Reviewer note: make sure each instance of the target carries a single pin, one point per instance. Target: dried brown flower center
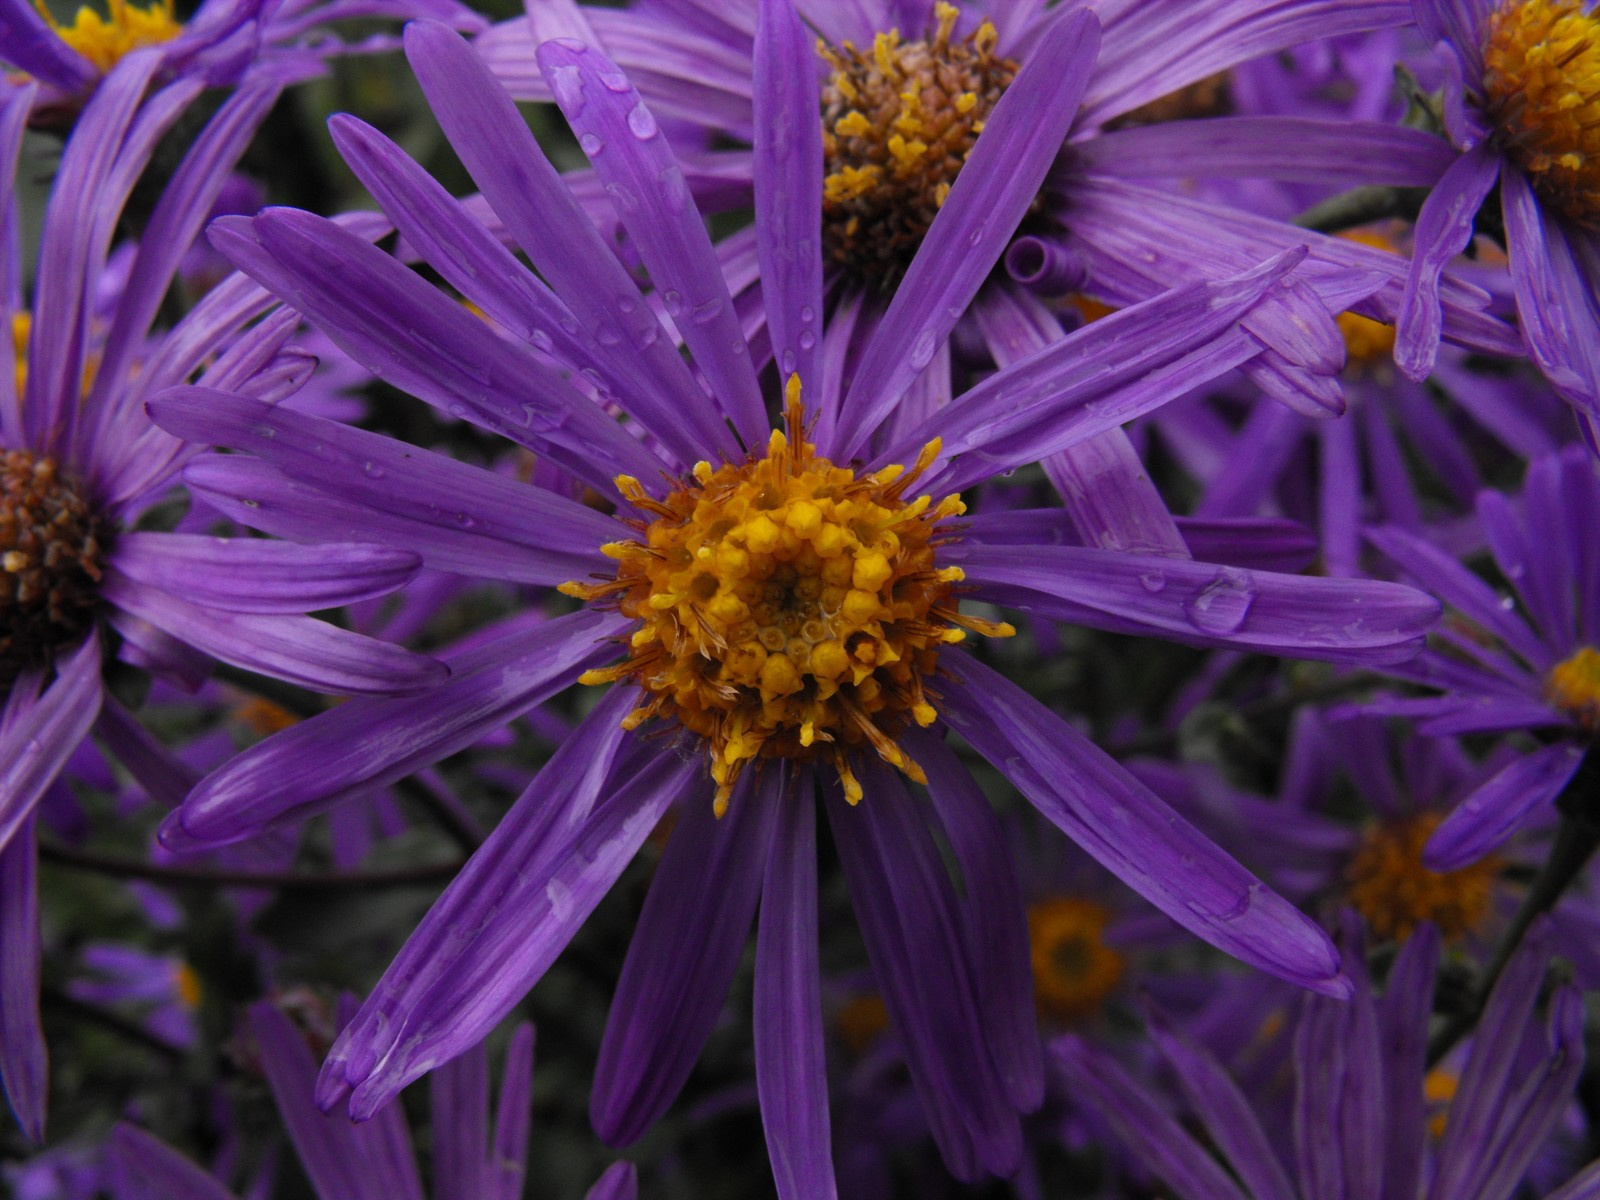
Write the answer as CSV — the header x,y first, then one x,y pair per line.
x,y
897,125
1542,82
52,546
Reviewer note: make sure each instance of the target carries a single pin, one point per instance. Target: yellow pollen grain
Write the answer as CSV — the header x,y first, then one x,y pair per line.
x,y
1073,968
104,41
1542,91
788,608
1573,686
1391,889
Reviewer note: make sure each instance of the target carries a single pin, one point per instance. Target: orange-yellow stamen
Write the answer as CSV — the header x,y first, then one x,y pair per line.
x,y
1388,885
898,123
126,28
787,607
1573,686
1542,86
1073,968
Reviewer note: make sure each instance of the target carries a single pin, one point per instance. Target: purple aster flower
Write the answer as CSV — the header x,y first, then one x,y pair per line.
x,y
166,989
1504,671
1360,1119
783,612
1522,103
81,465
476,1155
219,43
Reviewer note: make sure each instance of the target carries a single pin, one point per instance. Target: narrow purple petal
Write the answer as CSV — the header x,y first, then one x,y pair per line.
x,y
1132,833
1297,149
994,914
37,738
681,959
1403,1024
645,182
458,1098
298,649
1342,620
788,184
16,104
388,319
998,182
344,1160
1443,230
24,1061
791,1066
252,575
1485,819
143,1168
38,50
906,907
500,153
369,743
512,1119
453,514
481,269
619,1182
520,929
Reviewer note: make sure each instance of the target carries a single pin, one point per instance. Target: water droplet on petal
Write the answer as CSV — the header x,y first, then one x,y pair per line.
x,y
1221,606
922,349
673,302
641,122
591,144
807,339
1152,581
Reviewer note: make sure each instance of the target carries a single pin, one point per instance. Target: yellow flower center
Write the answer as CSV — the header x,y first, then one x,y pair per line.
x,y
1073,968
1367,343
1388,885
1573,686
897,125
188,985
1542,81
1439,1088
788,608
126,28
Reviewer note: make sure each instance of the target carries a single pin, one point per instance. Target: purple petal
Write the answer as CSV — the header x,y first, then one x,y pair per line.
x,y
906,907
1132,833
1491,814
1443,230
619,1182
788,184
344,1160
1342,620
165,777
499,151
993,911
36,49
388,319
298,649
369,743
143,1168
458,1098
791,1068
1403,1023
1555,293
24,1060
252,575
39,734
523,909
481,269
618,132
512,1119
682,958
998,182
1097,378
453,514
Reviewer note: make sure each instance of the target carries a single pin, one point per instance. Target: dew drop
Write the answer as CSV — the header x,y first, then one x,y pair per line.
x,y
807,338
591,144
1222,605
922,349
673,302
705,313
1153,581
617,82
642,122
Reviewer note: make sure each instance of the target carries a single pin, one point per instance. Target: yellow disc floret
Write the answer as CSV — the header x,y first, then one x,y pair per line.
x,y
898,122
1073,968
1388,885
787,607
125,28
1573,686
1542,87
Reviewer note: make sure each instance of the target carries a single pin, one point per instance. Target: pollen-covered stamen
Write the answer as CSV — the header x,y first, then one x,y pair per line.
x,y
898,122
51,548
1573,686
1391,889
1542,88
1073,968
104,41
788,607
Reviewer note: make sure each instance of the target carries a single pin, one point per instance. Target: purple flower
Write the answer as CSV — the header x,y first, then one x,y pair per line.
x,y
1522,103
1538,670
1360,1122
782,608
80,466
